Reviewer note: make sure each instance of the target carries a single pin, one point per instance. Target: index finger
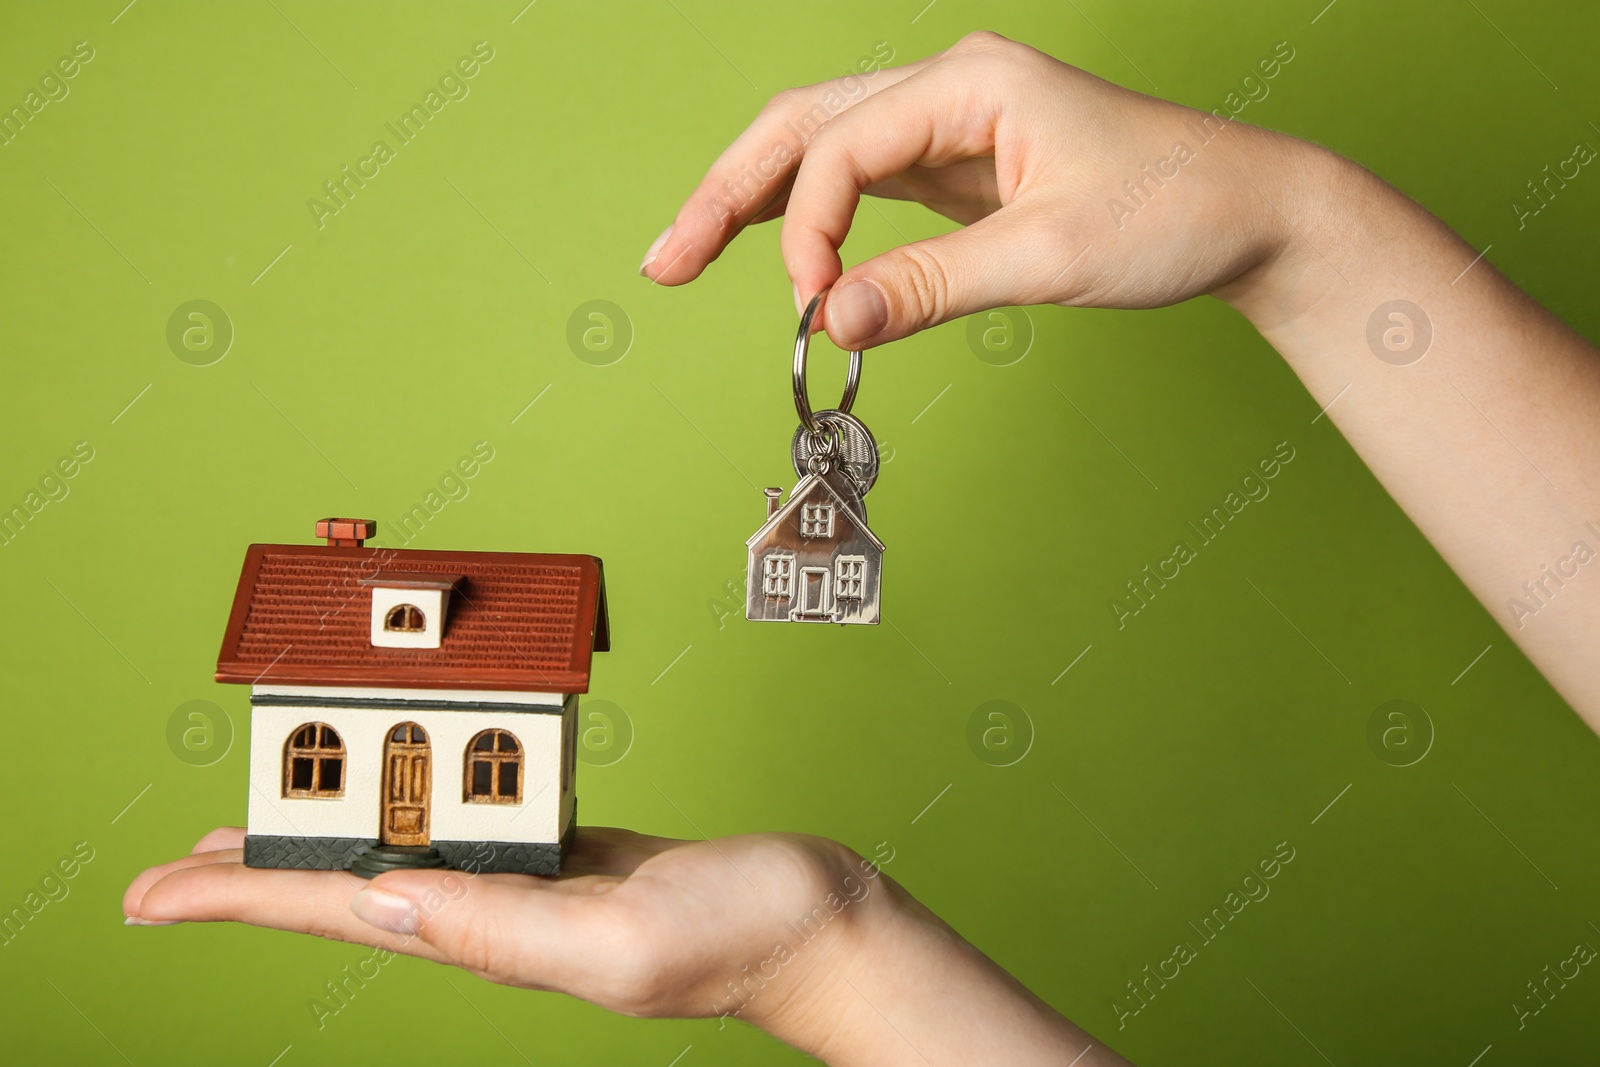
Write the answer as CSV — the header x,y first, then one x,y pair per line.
x,y
940,116
755,171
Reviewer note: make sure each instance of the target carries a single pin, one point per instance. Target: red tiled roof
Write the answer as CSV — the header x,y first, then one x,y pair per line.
x,y
517,621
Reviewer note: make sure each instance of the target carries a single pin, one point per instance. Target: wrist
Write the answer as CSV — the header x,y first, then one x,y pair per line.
x,y
897,986
1347,241
1306,204
836,952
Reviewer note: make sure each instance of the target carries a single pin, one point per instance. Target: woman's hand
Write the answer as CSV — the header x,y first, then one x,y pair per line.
x,y
639,925
1072,190
797,935
1477,409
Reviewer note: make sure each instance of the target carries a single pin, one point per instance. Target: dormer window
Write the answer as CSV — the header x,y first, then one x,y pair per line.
x,y
816,520
409,609
405,619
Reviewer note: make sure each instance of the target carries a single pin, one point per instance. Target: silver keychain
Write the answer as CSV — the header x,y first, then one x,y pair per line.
x,y
814,559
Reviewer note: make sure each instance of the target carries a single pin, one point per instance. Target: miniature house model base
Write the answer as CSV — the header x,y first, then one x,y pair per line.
x,y
411,708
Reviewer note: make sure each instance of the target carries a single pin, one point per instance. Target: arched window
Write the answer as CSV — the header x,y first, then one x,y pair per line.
x,y
405,619
494,769
313,762
409,733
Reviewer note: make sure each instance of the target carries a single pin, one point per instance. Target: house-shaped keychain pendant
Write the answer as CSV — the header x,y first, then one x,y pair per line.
x,y
411,708
814,559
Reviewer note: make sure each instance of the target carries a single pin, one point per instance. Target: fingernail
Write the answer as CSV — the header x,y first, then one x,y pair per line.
x,y
799,308
655,247
386,911
134,920
859,311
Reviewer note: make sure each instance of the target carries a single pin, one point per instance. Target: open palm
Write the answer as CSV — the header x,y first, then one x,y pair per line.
x,y
637,924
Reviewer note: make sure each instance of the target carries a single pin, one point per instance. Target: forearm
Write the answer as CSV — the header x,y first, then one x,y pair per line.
x,y
906,989
1490,441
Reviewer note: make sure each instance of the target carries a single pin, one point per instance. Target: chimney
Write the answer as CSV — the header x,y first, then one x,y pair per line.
x,y
346,533
773,493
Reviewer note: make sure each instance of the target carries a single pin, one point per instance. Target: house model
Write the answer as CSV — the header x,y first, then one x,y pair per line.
x,y
411,708
814,560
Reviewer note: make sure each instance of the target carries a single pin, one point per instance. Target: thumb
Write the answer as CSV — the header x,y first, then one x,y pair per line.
x,y
502,928
995,262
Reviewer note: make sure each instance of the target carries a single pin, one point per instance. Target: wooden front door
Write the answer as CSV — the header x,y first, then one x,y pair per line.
x,y
407,784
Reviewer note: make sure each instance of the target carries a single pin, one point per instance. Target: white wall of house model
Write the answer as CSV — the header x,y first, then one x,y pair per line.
x,y
540,817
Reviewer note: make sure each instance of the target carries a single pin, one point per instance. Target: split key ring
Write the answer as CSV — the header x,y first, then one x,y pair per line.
x,y
802,345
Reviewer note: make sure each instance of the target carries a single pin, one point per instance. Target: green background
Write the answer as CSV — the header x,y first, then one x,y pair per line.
x,y
428,314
